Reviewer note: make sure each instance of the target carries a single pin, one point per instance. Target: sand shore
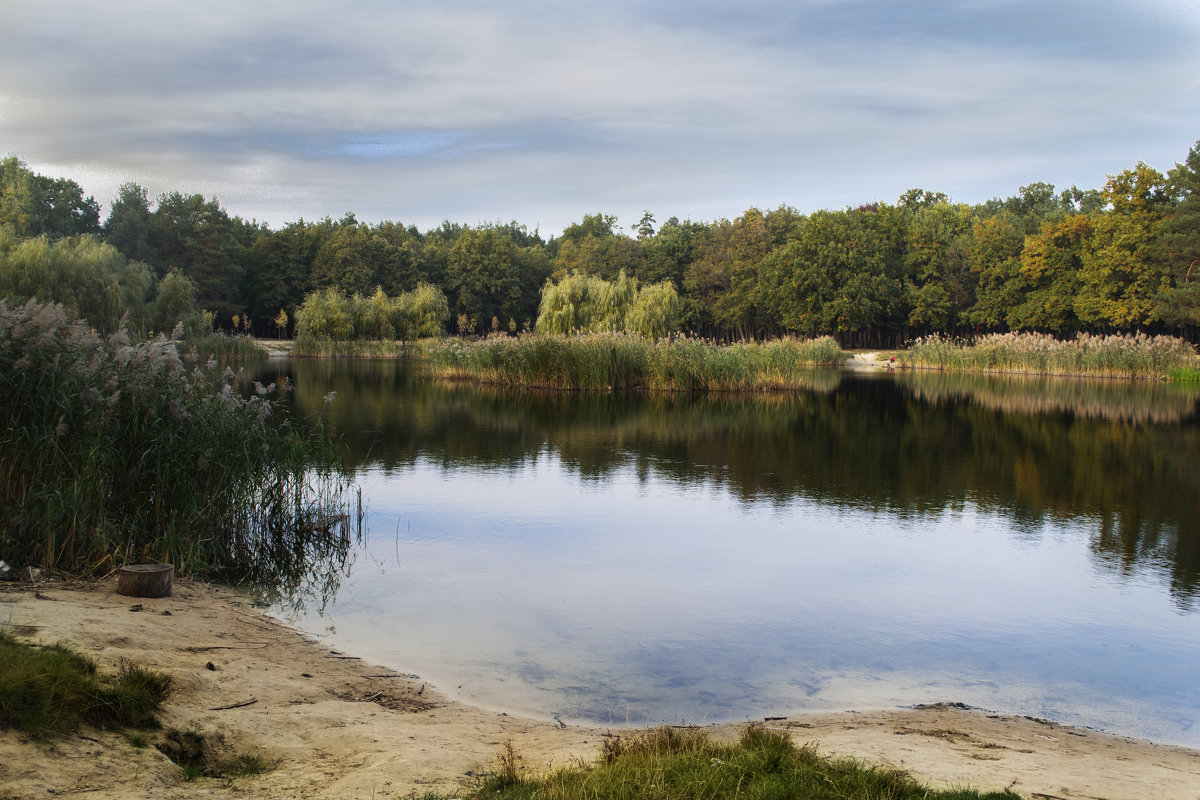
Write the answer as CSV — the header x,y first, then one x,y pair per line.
x,y
340,727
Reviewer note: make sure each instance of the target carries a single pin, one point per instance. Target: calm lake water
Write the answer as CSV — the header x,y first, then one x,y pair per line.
x,y
1027,546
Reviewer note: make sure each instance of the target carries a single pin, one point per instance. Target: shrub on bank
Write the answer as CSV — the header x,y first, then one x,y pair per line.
x,y
113,451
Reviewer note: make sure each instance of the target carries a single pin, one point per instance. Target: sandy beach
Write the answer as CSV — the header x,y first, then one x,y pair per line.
x,y
339,727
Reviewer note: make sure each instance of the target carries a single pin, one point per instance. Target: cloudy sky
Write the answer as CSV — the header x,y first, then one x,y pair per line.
x,y
479,110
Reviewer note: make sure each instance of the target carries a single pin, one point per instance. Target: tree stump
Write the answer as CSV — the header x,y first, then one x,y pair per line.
x,y
145,580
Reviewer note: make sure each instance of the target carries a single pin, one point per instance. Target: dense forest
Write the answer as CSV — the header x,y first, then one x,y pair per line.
x,y
1123,257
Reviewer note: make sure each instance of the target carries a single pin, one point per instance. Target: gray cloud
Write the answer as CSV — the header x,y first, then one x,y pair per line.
x,y
543,112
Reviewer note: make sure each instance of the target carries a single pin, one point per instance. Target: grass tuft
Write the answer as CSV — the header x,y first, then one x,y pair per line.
x,y
686,764
48,692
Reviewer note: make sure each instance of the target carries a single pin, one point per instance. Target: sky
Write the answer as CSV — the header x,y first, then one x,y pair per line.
x,y
480,111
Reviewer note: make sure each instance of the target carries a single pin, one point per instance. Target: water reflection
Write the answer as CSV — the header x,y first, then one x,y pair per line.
x,y
1124,456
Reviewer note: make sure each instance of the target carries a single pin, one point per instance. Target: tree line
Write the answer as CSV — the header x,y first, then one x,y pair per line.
x,y
1123,257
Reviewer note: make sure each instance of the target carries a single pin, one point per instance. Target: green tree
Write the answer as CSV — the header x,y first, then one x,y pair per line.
x,y
584,303
175,305
88,277
483,275
839,273
995,258
603,256
279,266
723,280
937,249
1050,264
667,254
645,226
1178,245
655,311
581,303
325,314
128,225
373,316
199,238
1120,280
37,205
422,313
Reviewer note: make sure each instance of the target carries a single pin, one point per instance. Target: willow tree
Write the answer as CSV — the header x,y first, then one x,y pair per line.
x,y
325,314
88,277
580,303
422,313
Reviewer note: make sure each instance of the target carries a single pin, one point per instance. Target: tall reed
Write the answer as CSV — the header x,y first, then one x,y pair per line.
x,y
226,347
113,451
1138,356
620,361
350,348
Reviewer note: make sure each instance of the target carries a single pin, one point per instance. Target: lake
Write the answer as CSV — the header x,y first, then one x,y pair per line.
x,y
1024,545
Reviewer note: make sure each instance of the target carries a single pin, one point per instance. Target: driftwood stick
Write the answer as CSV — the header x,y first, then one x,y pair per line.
x,y
246,646
249,702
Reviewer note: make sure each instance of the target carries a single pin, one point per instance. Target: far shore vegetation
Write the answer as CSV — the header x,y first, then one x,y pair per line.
x,y
1120,258
682,763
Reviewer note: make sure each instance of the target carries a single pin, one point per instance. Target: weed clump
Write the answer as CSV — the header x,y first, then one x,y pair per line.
x,y
200,755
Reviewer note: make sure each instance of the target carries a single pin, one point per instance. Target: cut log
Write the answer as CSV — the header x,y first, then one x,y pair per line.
x,y
145,580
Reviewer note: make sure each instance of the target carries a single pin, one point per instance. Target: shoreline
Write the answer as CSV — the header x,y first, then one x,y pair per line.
x,y
338,726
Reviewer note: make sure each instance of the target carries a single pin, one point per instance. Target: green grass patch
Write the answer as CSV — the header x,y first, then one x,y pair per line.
x,y
1137,356
1184,375
47,692
686,764
624,362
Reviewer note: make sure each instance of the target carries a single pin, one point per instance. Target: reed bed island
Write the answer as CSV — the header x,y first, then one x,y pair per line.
x,y
626,361
1109,356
